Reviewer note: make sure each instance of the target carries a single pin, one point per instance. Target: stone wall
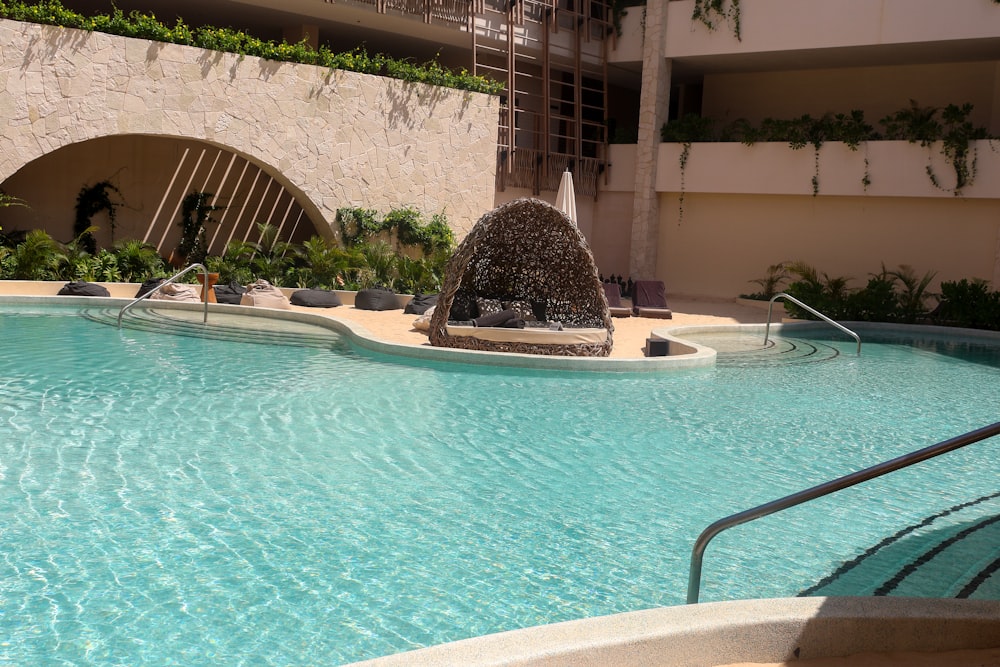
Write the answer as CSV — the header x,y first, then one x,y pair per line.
x,y
331,138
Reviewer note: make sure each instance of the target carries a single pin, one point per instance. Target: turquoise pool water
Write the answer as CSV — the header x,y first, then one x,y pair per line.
x,y
178,500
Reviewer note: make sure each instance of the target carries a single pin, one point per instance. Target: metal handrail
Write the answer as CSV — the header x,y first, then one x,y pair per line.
x,y
697,553
173,278
782,295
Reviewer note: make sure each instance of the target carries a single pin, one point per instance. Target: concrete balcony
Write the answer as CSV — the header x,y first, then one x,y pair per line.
x,y
815,32
894,169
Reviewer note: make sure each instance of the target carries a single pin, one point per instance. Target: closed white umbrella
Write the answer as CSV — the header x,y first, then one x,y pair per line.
x,y
566,196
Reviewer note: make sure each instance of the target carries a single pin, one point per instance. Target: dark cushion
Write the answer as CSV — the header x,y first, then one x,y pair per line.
x,y
231,293
376,298
649,294
81,288
497,319
463,308
523,309
315,298
488,306
148,286
420,304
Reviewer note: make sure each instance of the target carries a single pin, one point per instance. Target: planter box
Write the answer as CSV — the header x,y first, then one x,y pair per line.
x,y
894,169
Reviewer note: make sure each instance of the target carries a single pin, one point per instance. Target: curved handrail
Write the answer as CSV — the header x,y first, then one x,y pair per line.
x,y
173,278
697,553
782,295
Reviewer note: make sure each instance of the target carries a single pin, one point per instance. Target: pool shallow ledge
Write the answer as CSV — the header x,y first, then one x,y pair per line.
x,y
685,355
721,633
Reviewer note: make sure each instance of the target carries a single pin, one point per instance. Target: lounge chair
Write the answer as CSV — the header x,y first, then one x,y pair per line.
x,y
613,292
649,299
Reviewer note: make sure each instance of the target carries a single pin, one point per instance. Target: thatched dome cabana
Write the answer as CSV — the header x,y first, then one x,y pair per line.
x,y
525,251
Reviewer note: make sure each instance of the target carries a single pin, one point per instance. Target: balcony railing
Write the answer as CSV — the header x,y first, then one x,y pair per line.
x,y
455,12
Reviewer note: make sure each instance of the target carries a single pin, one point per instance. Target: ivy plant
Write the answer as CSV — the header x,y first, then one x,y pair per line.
x,y
713,12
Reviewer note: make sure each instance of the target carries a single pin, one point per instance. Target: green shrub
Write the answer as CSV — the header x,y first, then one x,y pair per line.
x,y
968,303
146,26
888,296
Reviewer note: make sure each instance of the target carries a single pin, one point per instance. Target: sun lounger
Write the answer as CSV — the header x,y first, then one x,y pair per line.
x,y
649,299
614,295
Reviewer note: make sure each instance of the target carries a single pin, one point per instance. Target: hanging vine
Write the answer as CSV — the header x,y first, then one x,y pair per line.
x,y
90,201
953,129
713,12
196,214
686,130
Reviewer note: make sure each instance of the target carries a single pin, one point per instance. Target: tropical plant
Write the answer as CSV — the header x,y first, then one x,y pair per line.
x,y
37,257
10,200
875,302
380,265
102,267
968,303
824,293
76,259
272,257
137,260
889,296
234,263
912,296
329,266
771,283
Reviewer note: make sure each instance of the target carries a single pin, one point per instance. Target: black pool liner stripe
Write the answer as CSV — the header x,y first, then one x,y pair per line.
x,y
979,579
889,586
855,562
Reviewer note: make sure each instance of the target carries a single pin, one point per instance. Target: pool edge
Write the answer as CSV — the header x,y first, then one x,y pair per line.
x,y
719,633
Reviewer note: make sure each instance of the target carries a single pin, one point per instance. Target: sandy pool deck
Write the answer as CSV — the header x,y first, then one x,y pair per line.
x,y
629,336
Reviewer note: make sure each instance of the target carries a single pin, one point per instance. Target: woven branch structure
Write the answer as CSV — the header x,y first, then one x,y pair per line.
x,y
528,250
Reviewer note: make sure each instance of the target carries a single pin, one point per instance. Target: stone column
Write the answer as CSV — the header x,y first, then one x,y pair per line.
x,y
654,103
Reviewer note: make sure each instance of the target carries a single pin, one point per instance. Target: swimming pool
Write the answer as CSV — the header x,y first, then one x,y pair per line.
x,y
171,499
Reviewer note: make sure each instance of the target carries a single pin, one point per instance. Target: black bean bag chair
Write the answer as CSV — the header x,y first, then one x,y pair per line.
x,y
420,304
81,288
376,298
231,293
148,286
315,298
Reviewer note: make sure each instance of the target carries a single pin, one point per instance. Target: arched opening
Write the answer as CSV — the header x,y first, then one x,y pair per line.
x,y
147,179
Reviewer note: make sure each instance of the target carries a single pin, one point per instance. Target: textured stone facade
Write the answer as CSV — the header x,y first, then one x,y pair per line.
x,y
334,138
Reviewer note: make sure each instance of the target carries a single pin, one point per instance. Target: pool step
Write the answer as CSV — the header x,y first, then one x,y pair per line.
x,y
226,327
750,350
954,553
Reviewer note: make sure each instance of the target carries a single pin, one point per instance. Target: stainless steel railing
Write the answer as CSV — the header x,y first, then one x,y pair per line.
x,y
698,552
171,279
782,295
